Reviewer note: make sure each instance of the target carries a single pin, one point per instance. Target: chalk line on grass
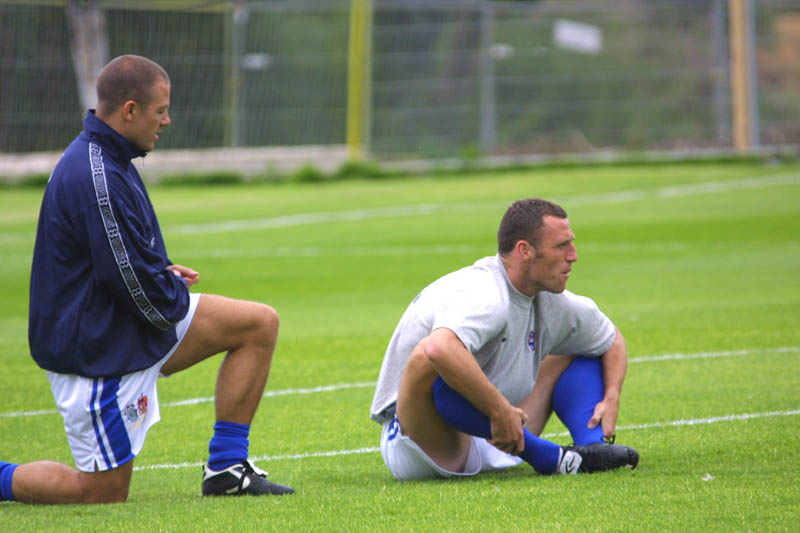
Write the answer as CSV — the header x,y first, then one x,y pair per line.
x,y
702,355
282,392
367,384
303,219
313,252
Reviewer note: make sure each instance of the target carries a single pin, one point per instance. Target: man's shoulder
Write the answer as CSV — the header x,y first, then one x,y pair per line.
x,y
86,155
72,165
77,151
555,306
482,275
479,287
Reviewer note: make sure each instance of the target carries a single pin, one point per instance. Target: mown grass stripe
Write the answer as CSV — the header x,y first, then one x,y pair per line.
x,y
302,219
374,449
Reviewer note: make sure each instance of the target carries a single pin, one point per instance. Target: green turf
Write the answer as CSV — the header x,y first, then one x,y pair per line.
x,y
700,261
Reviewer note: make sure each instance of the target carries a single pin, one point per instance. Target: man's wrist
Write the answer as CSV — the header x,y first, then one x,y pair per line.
x,y
611,396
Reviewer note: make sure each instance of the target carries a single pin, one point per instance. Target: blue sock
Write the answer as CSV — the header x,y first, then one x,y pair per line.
x,y
576,393
542,455
229,445
6,474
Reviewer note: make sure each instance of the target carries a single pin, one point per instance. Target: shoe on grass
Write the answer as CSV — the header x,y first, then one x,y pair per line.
x,y
241,478
597,457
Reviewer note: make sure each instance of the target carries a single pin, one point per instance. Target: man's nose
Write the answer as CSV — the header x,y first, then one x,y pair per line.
x,y
572,254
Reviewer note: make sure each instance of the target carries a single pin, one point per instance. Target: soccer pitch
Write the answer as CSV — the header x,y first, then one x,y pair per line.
x,y
698,264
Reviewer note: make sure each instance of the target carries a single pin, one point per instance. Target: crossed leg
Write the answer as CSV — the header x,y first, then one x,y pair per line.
x,y
420,420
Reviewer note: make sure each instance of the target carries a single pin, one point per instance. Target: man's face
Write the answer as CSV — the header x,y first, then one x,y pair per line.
x,y
549,269
149,120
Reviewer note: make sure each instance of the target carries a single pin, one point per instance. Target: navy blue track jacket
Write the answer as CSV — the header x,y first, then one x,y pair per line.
x,y
102,301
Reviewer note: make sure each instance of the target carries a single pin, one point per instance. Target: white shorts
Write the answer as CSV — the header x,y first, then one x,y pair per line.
x,y
406,460
107,419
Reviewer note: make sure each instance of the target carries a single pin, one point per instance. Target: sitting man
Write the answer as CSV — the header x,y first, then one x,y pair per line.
x,y
467,384
109,312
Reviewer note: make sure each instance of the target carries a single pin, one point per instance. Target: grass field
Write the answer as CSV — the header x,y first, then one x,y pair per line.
x,y
697,263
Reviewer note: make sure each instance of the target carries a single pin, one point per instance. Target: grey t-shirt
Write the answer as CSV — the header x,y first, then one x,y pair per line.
x,y
507,332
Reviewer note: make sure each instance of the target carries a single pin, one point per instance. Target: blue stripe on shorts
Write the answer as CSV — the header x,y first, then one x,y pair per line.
x,y
106,413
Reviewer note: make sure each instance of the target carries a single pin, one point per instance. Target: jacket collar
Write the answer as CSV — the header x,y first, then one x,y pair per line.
x,y
118,146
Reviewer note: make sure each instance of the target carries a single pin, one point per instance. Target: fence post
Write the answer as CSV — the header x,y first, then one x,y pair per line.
x,y
359,78
88,41
721,91
234,49
743,75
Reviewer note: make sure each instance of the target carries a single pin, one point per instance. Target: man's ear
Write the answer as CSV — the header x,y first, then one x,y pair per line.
x,y
129,108
525,250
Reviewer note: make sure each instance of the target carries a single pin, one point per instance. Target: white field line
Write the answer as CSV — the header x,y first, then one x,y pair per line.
x,y
303,219
701,355
374,449
693,189
438,249
209,399
367,384
283,392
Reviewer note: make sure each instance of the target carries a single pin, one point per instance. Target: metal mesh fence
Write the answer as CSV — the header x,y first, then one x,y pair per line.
x,y
452,78
778,60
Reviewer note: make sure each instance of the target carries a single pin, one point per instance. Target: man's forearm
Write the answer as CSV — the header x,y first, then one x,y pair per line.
x,y
615,366
457,366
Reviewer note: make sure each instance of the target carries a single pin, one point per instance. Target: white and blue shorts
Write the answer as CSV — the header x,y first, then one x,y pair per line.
x,y
107,419
407,461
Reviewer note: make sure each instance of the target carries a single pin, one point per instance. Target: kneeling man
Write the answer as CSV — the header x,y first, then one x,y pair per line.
x,y
109,313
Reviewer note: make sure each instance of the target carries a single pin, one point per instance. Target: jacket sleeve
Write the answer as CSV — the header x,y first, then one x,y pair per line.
x,y
128,261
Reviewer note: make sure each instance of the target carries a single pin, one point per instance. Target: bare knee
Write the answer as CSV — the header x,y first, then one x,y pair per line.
x,y
266,324
419,364
108,486
103,489
95,494
269,319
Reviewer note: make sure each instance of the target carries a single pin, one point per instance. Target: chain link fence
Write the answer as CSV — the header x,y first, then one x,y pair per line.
x,y
451,78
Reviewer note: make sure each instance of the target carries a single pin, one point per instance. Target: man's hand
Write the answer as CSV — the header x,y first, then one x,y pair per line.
x,y
605,413
507,435
187,274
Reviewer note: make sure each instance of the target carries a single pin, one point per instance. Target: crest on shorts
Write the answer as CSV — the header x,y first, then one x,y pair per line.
x,y
130,413
141,404
532,340
133,412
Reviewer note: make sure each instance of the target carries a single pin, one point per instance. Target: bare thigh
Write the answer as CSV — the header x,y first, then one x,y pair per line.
x,y
221,324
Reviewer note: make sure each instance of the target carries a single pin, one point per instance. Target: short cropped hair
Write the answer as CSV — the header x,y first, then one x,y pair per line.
x,y
522,222
128,77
